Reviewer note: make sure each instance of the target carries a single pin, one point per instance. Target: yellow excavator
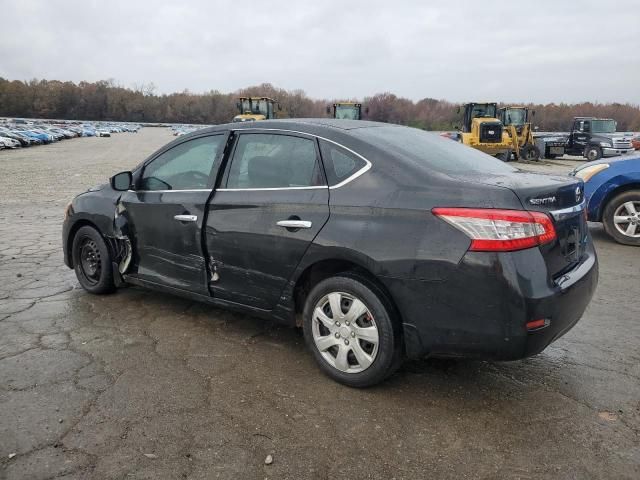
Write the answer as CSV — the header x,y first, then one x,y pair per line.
x,y
517,124
346,110
482,130
256,108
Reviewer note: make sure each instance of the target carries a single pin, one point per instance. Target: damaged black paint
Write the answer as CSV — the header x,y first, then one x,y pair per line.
x,y
224,245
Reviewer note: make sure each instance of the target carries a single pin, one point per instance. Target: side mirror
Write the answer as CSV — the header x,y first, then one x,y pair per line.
x,y
122,181
238,105
279,107
366,110
458,111
533,113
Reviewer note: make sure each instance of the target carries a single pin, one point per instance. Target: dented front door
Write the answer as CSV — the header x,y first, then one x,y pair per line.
x,y
166,211
166,231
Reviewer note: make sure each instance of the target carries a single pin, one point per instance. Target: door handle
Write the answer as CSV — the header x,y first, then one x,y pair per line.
x,y
294,224
186,218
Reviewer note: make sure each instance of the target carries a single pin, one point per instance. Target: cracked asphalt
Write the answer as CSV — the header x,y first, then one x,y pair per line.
x,y
143,385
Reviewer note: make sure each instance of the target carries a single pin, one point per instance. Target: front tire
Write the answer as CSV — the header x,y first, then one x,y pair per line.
x,y
593,153
621,218
351,331
505,157
530,153
92,261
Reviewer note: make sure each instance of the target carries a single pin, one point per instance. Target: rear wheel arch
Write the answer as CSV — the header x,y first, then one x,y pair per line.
x,y
323,269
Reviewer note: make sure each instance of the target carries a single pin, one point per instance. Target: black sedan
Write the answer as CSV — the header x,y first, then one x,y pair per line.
x,y
382,242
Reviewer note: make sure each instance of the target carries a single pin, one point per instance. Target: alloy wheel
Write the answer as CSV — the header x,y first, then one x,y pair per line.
x,y
345,332
626,219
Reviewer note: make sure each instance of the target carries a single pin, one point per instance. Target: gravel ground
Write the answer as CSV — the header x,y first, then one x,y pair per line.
x,y
142,385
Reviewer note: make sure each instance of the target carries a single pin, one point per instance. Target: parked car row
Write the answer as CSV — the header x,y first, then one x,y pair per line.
x,y
25,134
179,130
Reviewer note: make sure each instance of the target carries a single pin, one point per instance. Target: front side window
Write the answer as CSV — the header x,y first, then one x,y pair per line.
x,y
274,161
185,167
245,106
261,107
516,116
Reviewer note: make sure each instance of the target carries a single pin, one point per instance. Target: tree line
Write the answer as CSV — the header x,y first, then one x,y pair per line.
x,y
108,101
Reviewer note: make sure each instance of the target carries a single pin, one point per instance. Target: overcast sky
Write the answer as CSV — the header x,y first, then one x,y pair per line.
x,y
539,51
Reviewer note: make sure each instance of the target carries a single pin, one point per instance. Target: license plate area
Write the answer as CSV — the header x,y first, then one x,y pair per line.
x,y
572,237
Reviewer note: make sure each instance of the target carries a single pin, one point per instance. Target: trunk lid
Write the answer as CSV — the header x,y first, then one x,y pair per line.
x,y
559,196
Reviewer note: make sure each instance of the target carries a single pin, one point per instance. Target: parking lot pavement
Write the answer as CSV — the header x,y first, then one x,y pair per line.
x,y
142,385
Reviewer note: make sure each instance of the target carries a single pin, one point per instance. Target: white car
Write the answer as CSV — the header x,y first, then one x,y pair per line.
x,y
103,132
7,142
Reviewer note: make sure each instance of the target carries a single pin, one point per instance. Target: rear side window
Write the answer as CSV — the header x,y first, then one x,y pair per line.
x,y
274,161
339,164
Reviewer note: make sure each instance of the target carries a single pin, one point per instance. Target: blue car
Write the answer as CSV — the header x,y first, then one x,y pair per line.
x,y
612,192
43,137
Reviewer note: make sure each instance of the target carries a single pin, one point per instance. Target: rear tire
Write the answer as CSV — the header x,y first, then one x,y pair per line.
x,y
592,153
625,208
360,345
92,261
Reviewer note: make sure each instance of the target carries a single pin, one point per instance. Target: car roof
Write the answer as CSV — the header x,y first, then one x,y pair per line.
x,y
312,126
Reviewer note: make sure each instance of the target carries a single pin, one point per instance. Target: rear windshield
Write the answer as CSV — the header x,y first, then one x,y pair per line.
x,y
438,153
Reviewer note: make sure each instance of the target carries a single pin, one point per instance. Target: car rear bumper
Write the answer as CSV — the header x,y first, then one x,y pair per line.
x,y
481,309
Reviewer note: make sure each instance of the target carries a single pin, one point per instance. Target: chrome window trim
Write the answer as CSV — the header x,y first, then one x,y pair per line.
x,y
349,179
565,212
266,189
172,191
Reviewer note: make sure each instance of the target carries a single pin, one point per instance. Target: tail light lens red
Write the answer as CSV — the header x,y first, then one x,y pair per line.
x,y
493,230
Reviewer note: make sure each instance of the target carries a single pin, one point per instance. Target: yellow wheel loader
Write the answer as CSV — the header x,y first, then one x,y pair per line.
x,y
482,130
346,110
256,108
517,124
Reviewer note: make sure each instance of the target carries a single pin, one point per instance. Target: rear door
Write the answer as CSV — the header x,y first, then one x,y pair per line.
x,y
166,212
272,203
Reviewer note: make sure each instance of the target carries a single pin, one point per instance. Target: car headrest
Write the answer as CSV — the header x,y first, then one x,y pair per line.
x,y
268,172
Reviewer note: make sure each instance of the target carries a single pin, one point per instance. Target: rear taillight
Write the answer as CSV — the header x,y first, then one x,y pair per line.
x,y
492,230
